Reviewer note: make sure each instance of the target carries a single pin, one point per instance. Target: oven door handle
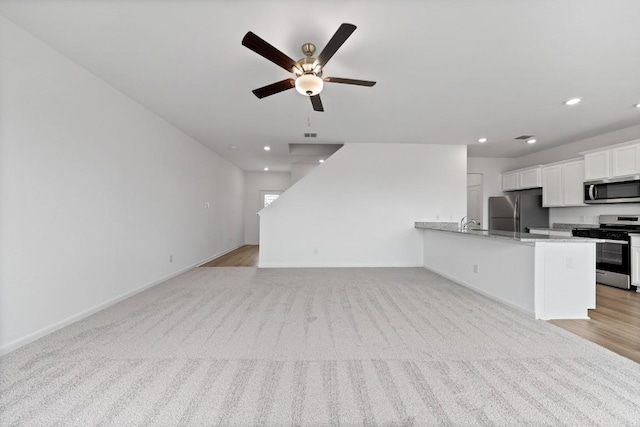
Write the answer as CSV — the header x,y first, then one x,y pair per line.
x,y
615,242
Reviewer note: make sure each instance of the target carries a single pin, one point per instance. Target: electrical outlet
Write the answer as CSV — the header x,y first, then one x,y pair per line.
x,y
207,205
170,258
476,268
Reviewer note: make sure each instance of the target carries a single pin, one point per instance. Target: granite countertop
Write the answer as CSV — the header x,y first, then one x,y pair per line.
x,y
454,227
565,227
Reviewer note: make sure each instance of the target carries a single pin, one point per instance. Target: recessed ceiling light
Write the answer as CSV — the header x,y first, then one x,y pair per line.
x,y
267,148
572,101
482,140
637,105
233,147
266,169
531,141
321,161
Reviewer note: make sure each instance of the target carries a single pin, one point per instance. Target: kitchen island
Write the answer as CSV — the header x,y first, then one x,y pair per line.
x,y
547,276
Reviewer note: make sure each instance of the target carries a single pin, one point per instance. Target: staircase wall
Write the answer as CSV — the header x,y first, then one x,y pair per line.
x,y
358,209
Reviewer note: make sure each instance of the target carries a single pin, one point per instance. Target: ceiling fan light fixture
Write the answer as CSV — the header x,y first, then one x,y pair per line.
x,y
309,84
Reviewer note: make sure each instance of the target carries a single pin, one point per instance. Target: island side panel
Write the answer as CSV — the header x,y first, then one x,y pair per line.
x,y
505,271
567,289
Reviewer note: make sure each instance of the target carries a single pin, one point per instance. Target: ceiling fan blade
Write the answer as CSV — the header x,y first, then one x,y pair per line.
x,y
349,81
264,49
316,102
274,88
334,44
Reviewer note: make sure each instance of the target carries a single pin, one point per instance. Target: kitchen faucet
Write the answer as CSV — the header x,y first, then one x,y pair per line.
x,y
463,224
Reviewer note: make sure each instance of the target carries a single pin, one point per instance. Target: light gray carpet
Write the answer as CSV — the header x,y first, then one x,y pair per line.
x,y
242,346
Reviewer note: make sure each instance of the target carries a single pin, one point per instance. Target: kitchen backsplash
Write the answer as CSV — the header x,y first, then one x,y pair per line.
x,y
590,214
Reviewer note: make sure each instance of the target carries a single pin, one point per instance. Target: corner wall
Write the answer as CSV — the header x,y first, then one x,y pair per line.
x,y
358,209
96,194
255,182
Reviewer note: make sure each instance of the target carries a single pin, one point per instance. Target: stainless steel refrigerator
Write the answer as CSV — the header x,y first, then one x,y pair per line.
x,y
517,212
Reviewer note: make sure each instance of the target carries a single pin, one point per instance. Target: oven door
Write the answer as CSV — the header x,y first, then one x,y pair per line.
x,y
613,263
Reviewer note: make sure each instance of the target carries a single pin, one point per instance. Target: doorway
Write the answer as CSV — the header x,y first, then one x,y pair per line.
x,y
474,198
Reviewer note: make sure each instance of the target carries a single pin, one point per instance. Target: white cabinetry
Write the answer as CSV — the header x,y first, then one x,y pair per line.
x,y
530,178
625,160
522,179
596,165
613,162
562,183
635,260
509,181
573,183
552,185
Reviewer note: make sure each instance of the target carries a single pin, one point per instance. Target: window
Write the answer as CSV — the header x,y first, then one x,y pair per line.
x,y
267,197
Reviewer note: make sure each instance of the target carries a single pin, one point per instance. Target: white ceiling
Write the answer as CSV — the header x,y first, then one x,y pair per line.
x,y
448,71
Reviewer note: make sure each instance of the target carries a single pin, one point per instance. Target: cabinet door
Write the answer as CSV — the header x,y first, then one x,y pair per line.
x,y
573,183
552,185
624,160
530,178
509,181
635,266
596,165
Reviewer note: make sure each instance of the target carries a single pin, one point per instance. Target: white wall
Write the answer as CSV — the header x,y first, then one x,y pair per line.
x,y
95,193
300,170
254,182
491,170
589,214
359,207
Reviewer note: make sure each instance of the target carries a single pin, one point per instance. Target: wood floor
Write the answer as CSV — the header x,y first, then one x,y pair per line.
x,y
614,324
245,256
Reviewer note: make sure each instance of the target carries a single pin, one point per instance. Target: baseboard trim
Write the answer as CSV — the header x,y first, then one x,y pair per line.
x,y
338,266
219,255
20,342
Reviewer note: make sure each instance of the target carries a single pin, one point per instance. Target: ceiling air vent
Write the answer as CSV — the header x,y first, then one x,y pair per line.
x,y
524,137
310,135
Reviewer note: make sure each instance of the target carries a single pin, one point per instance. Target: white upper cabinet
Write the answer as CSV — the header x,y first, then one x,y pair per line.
x,y
509,181
625,160
596,165
573,183
530,178
552,185
522,179
562,183
613,162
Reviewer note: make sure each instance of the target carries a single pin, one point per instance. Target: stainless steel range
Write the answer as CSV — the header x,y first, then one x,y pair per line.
x,y
613,259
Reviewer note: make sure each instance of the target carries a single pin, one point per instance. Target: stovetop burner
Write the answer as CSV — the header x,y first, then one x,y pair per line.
x,y
612,227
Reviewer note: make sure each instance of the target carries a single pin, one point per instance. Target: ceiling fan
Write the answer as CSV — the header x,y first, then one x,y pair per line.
x,y
308,70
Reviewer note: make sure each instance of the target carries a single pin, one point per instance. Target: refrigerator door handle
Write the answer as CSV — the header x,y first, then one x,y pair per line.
x,y
516,209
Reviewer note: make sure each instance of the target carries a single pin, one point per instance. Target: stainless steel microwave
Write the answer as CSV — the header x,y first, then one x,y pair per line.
x,y
615,190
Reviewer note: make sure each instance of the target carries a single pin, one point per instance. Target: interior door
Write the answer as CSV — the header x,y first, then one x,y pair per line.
x,y
474,197
474,203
